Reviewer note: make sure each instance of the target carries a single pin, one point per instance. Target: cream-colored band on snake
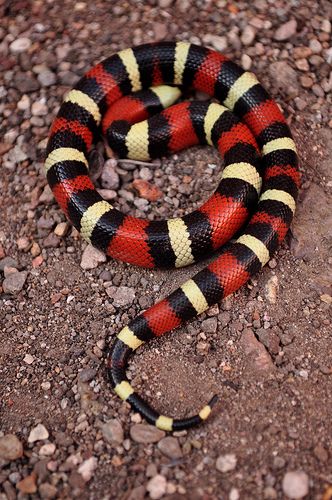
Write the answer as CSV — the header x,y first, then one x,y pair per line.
x,y
259,249
195,296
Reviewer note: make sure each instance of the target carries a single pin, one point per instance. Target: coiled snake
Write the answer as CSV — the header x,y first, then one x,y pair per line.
x,y
260,181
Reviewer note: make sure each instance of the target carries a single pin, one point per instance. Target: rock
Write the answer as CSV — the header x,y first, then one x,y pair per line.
x,y
315,46
14,283
295,484
326,26
271,288
286,31
170,447
47,449
278,463
284,77
51,241
113,432
39,108
23,244
165,3
226,463
28,484
144,433
17,155
87,467
146,174
258,360
28,359
217,42
321,454
35,249
47,491
87,374
61,229
248,35
160,30
146,190
20,45
157,487
107,194
46,196
109,177
47,78
269,339
25,82
38,433
246,62
45,223
122,295
7,262
91,257
24,103
209,325
234,494
11,447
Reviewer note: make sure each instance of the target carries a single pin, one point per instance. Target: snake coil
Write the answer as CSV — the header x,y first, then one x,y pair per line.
x,y
259,184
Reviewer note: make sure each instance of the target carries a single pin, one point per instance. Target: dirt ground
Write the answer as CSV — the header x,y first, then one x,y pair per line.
x,y
266,350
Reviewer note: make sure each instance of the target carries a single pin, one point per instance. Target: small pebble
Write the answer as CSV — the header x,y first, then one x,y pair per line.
x,y
20,45
170,447
295,484
144,433
14,283
28,359
286,31
113,432
226,463
248,35
157,487
92,257
87,468
47,449
38,433
11,447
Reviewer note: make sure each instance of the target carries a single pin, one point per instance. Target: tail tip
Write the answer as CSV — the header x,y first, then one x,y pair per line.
x,y
213,401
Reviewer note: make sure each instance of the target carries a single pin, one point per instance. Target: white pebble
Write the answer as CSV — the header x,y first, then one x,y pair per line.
x,y
20,45
226,463
47,449
87,467
295,484
157,487
38,433
28,359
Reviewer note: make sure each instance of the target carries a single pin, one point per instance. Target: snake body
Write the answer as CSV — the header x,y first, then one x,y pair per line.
x,y
260,182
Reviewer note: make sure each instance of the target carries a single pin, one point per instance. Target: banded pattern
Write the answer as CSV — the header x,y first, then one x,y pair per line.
x,y
253,125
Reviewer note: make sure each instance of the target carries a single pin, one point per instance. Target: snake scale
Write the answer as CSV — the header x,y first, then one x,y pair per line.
x,y
258,188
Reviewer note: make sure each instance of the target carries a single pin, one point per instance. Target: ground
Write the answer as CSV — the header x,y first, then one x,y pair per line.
x,y
266,350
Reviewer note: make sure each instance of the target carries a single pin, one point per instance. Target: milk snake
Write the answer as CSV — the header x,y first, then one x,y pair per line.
x,y
260,181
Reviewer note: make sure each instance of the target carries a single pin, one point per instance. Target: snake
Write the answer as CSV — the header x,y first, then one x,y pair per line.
x,y
130,98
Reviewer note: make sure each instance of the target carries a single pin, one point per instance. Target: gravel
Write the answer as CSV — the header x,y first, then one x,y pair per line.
x,y
265,350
